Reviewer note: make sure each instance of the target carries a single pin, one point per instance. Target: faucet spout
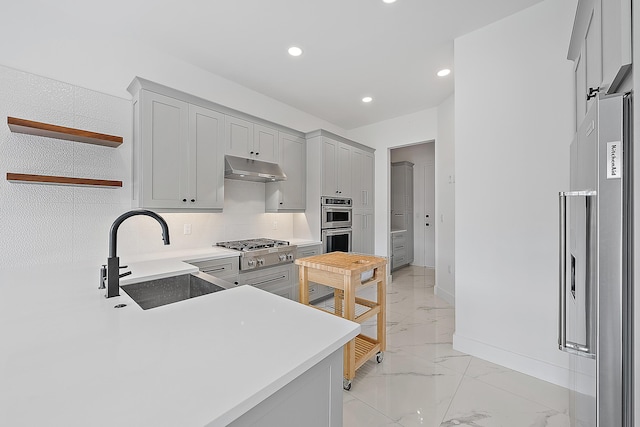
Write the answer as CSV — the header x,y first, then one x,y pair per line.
x,y
113,262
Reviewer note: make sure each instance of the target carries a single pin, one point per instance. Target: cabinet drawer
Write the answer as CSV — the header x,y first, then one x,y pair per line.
x,y
309,251
269,278
222,268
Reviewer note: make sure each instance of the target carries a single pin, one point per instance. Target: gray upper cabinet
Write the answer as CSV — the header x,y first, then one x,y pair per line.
x,y
362,179
246,139
177,154
289,195
601,49
336,168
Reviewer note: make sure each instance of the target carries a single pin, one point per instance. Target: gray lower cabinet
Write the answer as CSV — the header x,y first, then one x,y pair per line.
x,y
178,154
399,252
289,195
280,280
314,399
362,232
224,268
316,290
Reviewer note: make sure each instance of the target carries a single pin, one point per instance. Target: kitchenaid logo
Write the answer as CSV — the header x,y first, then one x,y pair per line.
x,y
614,160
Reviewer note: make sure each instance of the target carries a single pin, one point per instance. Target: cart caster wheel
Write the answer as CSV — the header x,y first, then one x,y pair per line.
x,y
379,357
346,384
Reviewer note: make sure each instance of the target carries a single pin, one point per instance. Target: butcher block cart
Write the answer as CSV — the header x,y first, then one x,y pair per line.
x,y
346,273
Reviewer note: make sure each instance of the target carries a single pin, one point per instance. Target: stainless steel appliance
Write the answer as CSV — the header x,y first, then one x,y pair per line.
x,y
595,322
336,212
336,220
336,239
261,253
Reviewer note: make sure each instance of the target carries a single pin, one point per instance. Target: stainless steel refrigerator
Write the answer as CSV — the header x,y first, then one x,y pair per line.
x,y
596,312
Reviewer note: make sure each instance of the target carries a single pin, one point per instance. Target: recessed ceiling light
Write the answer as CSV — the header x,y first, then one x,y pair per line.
x,y
295,51
367,99
444,72
389,1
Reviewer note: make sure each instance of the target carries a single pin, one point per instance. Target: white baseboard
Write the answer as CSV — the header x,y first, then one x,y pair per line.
x,y
445,295
518,362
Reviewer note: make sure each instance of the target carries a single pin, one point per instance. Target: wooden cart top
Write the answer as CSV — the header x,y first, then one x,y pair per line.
x,y
342,263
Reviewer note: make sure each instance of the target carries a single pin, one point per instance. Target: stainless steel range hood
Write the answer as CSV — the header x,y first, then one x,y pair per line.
x,y
252,170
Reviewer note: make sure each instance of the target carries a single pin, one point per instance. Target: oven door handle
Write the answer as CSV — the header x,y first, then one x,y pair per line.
x,y
335,231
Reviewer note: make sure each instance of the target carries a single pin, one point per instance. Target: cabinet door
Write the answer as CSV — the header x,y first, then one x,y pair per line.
x,y
206,158
368,238
397,189
265,144
238,136
408,186
329,167
293,155
363,235
362,179
344,170
368,179
616,41
580,79
357,227
164,137
593,51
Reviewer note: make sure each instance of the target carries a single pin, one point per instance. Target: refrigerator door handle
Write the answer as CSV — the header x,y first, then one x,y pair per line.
x,y
563,344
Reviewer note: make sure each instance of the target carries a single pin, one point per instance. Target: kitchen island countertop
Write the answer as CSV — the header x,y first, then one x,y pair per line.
x,y
70,358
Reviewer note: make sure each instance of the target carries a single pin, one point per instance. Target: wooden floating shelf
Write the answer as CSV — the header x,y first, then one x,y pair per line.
x,y
30,127
62,180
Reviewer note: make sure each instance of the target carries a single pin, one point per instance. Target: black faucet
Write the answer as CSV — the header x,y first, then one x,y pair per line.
x,y
110,273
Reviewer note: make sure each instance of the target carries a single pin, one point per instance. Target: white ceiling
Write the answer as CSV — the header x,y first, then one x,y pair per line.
x,y
352,48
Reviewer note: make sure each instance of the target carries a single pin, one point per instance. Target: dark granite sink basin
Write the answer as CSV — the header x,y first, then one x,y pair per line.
x,y
157,292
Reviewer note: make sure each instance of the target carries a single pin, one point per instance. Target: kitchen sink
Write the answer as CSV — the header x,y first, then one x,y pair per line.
x,y
158,292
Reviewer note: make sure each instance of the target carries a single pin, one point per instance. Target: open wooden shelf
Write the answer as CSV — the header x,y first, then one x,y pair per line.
x,y
60,132
62,180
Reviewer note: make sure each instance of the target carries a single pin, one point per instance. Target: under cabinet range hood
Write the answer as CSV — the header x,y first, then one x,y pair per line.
x,y
252,170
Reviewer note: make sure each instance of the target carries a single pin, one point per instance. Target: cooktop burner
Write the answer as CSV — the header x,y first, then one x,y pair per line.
x,y
252,244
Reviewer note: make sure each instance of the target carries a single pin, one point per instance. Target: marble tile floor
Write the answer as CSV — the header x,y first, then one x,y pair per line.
x,y
424,382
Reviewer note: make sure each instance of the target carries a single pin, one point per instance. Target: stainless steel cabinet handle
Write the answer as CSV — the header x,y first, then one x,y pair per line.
x,y
563,344
268,280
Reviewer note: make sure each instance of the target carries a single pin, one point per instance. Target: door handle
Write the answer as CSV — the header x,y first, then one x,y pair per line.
x,y
563,343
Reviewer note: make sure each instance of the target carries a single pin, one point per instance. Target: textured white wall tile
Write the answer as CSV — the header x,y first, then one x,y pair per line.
x,y
91,224
56,95
99,105
35,233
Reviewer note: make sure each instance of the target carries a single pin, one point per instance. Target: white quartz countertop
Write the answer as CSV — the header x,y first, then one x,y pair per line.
x,y
68,357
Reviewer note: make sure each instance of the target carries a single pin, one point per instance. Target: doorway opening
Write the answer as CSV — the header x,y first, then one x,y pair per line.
x,y
412,196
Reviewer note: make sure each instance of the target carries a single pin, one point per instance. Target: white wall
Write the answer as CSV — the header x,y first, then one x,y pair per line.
x,y
445,202
513,127
47,224
105,63
397,132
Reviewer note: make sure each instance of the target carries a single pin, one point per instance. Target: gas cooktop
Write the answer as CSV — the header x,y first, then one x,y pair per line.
x,y
252,244
261,253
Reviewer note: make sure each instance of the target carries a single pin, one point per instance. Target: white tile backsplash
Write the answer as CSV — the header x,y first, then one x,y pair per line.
x,y
49,224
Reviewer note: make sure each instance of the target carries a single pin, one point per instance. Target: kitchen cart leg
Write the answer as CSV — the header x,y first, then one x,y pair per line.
x,y
338,296
381,272
349,314
303,275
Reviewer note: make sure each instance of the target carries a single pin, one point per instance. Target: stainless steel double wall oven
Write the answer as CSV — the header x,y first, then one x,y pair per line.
x,y
336,219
